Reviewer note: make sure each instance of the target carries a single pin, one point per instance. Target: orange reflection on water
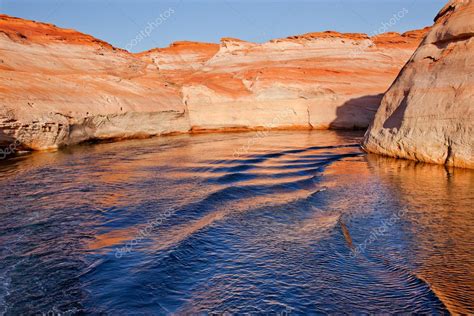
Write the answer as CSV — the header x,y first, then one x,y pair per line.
x,y
440,209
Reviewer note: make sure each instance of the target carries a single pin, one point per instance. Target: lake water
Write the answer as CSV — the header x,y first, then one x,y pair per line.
x,y
272,223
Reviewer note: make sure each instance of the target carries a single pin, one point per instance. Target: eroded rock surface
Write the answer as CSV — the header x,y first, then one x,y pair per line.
x,y
317,80
60,87
428,113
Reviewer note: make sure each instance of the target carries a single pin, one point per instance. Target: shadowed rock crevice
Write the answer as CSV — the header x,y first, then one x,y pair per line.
x,y
5,139
357,113
453,39
396,119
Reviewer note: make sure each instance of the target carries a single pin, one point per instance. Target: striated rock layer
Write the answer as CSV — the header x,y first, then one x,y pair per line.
x,y
60,87
428,113
317,80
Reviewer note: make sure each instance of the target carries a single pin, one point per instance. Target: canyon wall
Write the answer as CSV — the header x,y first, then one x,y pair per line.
x,y
428,113
317,80
60,87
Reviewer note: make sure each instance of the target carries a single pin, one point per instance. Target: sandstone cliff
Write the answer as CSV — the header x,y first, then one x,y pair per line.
x,y
61,87
428,113
317,80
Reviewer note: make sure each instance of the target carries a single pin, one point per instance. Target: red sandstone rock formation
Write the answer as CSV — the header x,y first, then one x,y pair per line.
x,y
316,80
428,113
60,87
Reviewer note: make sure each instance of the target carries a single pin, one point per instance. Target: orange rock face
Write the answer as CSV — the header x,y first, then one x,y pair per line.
x,y
316,80
60,87
428,113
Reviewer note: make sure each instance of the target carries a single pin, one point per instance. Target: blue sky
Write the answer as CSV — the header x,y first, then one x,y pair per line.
x,y
119,22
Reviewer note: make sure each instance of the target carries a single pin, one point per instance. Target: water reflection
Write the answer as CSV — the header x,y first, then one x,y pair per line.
x,y
440,222
273,229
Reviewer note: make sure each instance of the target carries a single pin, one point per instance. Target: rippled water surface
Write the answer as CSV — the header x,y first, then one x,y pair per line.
x,y
288,222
